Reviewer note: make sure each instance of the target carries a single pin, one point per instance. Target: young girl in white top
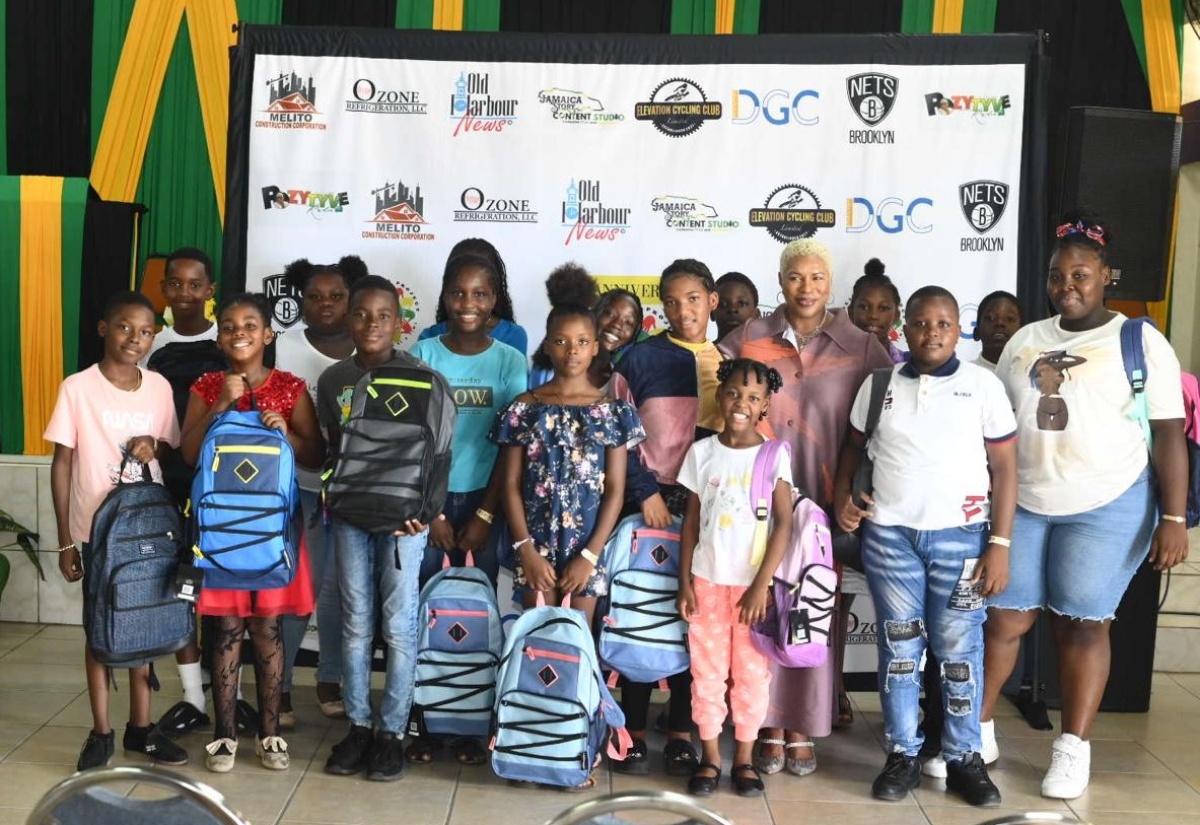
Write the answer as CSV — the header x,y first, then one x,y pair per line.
x,y
721,590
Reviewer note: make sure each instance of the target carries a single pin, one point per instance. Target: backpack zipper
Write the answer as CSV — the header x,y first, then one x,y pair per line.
x,y
440,611
248,448
538,653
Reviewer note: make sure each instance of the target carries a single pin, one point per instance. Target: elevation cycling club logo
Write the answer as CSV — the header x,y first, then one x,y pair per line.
x,y
571,106
983,203
398,214
291,104
473,109
588,218
677,108
872,96
792,212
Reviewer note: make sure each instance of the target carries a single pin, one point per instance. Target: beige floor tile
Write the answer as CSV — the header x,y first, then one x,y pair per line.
x,y
1182,758
63,631
18,630
43,651
355,801
1107,755
62,677
13,734
513,806
834,781
23,785
22,707
1116,818
258,794
78,711
786,812
51,746
971,816
13,816
1138,793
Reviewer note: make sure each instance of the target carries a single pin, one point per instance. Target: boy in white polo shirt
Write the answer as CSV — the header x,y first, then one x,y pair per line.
x,y
935,543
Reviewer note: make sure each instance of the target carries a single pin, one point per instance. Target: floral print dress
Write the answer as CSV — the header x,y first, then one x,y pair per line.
x,y
563,482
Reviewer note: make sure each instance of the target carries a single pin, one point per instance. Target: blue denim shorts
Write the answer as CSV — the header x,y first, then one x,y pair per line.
x,y
1080,565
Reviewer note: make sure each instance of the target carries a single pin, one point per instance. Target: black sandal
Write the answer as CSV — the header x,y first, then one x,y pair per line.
x,y
680,758
703,785
468,751
746,780
183,717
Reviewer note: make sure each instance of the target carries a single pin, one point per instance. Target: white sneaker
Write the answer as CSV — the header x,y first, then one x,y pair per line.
x,y
934,766
273,753
989,750
221,754
1070,767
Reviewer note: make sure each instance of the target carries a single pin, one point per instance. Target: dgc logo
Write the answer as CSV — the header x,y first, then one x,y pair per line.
x,y
891,215
777,107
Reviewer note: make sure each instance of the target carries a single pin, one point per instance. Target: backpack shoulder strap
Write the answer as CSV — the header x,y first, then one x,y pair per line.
x,y
1133,358
881,379
762,489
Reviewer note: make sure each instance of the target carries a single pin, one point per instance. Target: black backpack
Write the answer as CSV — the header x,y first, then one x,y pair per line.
x,y
394,461
131,613
181,363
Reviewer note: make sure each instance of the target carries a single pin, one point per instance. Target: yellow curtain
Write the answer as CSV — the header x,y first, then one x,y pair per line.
x,y
725,12
448,15
121,149
947,16
210,25
41,298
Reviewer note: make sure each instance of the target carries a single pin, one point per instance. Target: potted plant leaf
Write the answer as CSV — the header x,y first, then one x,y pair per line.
x,y
25,540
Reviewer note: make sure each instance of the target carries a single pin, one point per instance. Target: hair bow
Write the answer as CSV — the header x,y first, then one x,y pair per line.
x,y
1094,232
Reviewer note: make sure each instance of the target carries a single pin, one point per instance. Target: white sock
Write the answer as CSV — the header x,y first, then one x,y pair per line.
x,y
193,685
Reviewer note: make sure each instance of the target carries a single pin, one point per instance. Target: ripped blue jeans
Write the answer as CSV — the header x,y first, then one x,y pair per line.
x,y
918,581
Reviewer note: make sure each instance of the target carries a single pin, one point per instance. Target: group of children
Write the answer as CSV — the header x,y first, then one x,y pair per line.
x,y
666,427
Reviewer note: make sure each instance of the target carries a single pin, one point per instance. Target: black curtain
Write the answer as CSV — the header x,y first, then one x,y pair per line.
x,y
376,13
48,54
579,17
107,249
824,17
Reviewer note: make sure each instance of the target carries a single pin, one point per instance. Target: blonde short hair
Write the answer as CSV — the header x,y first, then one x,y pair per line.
x,y
803,248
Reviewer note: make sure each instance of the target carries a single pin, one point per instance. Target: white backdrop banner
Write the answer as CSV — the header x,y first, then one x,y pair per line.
x,y
625,165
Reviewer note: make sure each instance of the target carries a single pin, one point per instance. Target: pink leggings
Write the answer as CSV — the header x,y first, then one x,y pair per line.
x,y
721,648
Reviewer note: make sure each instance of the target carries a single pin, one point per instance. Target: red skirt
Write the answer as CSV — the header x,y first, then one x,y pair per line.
x,y
295,599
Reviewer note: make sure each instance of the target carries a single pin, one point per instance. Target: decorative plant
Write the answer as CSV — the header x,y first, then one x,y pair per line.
x,y
26,540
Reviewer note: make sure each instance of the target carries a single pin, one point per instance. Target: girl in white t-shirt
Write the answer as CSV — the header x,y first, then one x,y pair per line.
x,y
1092,500
721,589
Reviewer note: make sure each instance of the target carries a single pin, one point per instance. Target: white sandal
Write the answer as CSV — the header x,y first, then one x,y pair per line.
x,y
768,764
801,767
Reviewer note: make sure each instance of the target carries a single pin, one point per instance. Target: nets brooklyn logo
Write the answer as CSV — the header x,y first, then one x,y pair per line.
x,y
872,96
677,108
792,212
983,203
399,214
283,298
291,104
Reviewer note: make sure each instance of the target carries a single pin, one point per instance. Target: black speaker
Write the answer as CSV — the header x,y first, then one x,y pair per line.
x,y
1122,164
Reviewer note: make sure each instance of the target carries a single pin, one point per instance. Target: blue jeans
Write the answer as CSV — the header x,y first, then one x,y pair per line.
x,y
912,575
366,571
458,510
329,602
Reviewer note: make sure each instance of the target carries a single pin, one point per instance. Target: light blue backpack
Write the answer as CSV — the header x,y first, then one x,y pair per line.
x,y
553,711
642,636
459,642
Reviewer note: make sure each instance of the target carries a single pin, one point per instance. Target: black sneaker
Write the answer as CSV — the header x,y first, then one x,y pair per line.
x,y
635,762
900,775
97,751
680,758
247,718
969,779
152,742
387,758
183,717
350,756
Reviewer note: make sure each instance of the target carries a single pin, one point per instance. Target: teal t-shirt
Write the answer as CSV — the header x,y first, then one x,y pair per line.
x,y
483,385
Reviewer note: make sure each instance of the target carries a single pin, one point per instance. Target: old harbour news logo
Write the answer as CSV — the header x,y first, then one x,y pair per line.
x,y
291,104
677,108
588,218
366,96
983,203
571,106
473,109
685,214
478,207
872,96
792,212
398,214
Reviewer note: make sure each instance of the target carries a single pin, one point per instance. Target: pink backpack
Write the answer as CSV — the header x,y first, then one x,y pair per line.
x,y
798,628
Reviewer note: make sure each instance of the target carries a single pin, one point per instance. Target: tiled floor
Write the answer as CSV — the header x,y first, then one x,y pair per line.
x,y
1146,766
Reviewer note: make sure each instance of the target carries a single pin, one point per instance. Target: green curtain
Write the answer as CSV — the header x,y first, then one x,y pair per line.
x,y
110,21
693,16
74,207
1133,16
12,402
979,17
264,12
916,17
481,15
746,15
414,14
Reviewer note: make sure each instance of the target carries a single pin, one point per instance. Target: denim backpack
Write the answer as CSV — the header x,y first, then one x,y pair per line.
x,y
797,630
553,712
131,614
459,642
642,636
244,504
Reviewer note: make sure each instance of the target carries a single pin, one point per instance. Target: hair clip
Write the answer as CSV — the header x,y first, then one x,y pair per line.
x,y
1094,232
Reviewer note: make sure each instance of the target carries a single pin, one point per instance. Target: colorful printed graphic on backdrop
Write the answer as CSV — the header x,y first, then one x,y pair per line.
x,y
406,322
291,104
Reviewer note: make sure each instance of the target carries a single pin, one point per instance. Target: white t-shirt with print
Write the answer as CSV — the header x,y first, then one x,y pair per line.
x,y
296,354
1080,446
721,477
168,335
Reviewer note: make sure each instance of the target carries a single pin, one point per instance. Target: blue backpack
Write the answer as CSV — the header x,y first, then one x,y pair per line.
x,y
553,711
642,636
459,642
244,505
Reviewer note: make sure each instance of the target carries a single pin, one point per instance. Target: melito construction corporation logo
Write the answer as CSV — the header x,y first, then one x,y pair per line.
x,y
398,214
792,212
677,108
588,218
872,96
983,203
685,214
473,109
571,106
291,104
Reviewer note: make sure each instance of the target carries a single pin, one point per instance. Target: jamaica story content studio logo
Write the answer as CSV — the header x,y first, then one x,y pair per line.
x,y
570,106
315,203
367,96
677,108
685,214
291,104
398,214
476,207
792,212
588,218
980,108
983,203
473,109
872,96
